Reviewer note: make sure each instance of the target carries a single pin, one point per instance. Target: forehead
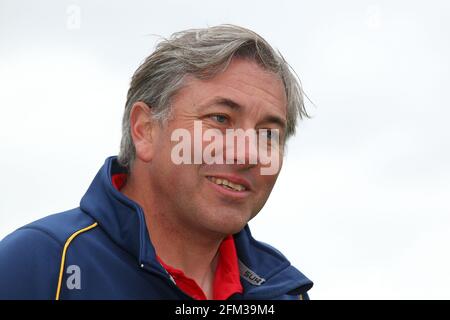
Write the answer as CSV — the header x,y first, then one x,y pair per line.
x,y
243,81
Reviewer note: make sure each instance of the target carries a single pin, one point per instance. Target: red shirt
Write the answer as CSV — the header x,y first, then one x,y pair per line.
x,y
226,277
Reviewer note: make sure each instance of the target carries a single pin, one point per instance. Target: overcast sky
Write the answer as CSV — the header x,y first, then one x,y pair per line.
x,y
362,203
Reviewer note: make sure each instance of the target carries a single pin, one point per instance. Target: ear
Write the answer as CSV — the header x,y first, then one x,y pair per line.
x,y
142,131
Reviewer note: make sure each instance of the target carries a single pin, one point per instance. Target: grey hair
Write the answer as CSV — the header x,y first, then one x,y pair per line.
x,y
202,53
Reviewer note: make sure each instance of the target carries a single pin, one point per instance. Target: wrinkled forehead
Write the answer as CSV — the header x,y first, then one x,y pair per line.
x,y
244,82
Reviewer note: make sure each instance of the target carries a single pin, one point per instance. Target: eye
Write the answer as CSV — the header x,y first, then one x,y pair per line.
x,y
270,134
220,118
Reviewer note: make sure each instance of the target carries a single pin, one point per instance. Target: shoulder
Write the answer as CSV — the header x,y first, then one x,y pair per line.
x,y
30,256
61,226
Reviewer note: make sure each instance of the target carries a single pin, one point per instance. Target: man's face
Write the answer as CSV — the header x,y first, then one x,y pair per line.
x,y
255,99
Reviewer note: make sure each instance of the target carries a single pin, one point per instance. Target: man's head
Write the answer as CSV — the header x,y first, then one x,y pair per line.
x,y
227,77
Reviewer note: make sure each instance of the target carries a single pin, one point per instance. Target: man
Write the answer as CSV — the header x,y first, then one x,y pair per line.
x,y
153,227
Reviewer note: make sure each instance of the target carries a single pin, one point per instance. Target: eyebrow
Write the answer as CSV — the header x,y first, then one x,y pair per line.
x,y
236,106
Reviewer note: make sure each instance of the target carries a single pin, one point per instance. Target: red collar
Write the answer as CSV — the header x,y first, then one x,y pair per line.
x,y
226,278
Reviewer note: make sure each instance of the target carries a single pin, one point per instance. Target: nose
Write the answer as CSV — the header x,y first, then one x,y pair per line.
x,y
241,148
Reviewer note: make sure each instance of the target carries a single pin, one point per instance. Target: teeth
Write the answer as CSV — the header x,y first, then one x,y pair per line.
x,y
228,184
235,186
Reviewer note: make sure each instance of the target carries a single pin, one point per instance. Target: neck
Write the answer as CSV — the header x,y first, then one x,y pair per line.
x,y
177,244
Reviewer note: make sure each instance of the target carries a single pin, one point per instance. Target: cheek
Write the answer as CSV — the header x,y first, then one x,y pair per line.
x,y
183,177
266,183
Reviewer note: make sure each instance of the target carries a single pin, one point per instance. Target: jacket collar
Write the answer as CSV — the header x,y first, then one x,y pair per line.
x,y
265,272
121,218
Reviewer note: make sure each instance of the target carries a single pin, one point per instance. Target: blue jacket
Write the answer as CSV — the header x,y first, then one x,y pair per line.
x,y
102,250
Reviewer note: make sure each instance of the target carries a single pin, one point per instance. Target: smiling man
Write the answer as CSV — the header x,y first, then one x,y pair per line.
x,y
153,227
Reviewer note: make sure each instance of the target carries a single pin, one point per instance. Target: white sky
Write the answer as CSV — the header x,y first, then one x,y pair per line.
x,y
362,204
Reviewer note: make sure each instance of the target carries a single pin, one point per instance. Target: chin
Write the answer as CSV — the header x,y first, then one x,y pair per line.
x,y
227,230
228,224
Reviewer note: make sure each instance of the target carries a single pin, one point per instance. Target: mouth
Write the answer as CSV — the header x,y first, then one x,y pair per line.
x,y
227,184
236,189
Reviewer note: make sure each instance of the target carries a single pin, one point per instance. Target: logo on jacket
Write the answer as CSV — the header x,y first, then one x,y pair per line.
x,y
250,275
